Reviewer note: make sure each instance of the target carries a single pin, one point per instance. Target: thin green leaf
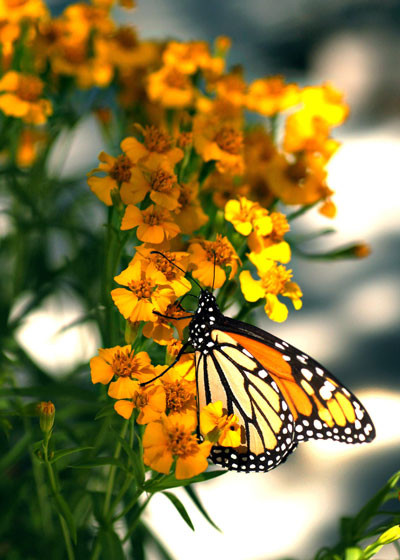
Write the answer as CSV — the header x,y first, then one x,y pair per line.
x,y
106,410
197,502
180,508
65,452
65,512
353,553
111,546
100,462
171,482
13,454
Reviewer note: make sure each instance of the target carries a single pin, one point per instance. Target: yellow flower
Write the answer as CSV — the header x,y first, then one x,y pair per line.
x,y
174,277
189,214
219,427
190,57
211,258
146,292
246,215
275,281
272,245
171,88
160,182
307,132
149,400
325,102
155,225
270,96
21,97
14,11
123,365
186,365
157,146
231,87
125,51
119,173
219,140
172,438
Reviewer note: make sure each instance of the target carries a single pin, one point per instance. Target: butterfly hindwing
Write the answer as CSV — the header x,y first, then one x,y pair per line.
x,y
230,374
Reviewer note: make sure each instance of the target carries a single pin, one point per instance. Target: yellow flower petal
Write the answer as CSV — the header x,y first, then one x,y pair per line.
x,y
123,388
276,310
251,289
101,372
124,408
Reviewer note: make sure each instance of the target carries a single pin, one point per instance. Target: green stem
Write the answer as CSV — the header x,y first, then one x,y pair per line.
x,y
55,490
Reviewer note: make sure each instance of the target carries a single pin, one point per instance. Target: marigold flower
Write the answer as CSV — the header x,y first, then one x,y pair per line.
x,y
119,173
172,437
219,140
272,245
325,102
306,132
189,214
160,182
270,96
186,365
15,12
146,292
46,412
246,215
275,281
126,51
259,151
155,225
224,187
123,365
191,56
149,400
174,277
157,146
30,144
211,258
217,426
180,391
162,329
21,97
171,88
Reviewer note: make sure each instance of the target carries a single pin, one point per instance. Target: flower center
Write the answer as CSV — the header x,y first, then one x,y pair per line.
x,y
181,443
219,251
162,181
167,268
274,282
229,140
140,400
126,37
29,88
123,364
156,141
121,170
297,171
276,85
175,79
280,225
141,288
178,397
151,217
75,53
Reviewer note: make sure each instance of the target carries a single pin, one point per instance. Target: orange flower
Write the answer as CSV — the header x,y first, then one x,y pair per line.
x,y
157,146
180,391
119,173
146,292
172,438
30,143
191,56
217,426
162,329
211,258
174,277
171,88
272,245
125,51
149,400
189,214
14,12
219,140
120,363
21,97
270,96
155,225
160,182
246,216
307,132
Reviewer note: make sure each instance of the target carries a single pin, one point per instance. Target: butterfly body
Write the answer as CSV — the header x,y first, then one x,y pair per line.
x,y
280,395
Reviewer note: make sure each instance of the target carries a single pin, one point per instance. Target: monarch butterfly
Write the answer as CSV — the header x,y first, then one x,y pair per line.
x,y
280,395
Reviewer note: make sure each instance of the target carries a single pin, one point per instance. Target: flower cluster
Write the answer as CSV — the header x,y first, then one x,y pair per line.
x,y
191,187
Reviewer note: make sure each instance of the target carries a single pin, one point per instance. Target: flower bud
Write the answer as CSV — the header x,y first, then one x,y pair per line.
x,y
46,411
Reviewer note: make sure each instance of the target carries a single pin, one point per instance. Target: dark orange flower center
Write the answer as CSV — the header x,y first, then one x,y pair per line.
x,y
229,140
297,171
280,225
185,139
175,79
167,268
219,252
156,141
121,170
178,397
142,288
75,53
182,443
274,281
29,88
140,400
123,364
152,218
126,37
276,85
162,181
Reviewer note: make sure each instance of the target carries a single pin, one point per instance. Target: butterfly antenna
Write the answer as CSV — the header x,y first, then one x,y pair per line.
x,y
176,266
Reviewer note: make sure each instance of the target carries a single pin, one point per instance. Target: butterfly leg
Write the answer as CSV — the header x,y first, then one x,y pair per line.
x,y
178,357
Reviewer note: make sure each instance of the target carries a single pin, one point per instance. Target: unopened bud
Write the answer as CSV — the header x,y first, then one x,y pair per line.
x,y
46,411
